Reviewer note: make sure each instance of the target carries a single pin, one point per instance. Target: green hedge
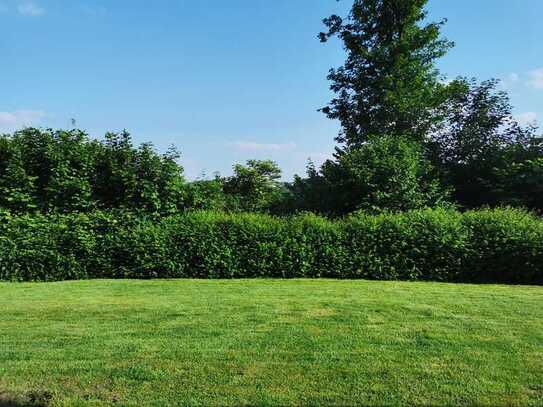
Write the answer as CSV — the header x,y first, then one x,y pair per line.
x,y
498,246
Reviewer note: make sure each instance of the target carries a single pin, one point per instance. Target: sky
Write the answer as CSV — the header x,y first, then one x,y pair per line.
x,y
226,81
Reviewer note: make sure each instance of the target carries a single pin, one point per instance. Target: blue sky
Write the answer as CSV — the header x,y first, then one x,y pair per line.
x,y
226,80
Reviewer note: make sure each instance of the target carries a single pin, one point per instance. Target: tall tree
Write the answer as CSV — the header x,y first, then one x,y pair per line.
x,y
389,84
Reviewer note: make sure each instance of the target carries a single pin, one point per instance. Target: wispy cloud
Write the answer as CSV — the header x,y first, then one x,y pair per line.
x,y
28,8
510,80
11,121
513,77
94,10
527,118
536,78
253,146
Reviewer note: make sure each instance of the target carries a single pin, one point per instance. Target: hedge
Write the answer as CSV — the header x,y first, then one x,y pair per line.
x,y
485,246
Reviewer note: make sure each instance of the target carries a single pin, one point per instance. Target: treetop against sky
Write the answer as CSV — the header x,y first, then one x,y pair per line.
x,y
226,80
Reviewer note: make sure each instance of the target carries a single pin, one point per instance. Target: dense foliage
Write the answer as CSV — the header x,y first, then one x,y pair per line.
x,y
389,86
66,171
483,153
255,186
386,174
408,140
412,148
443,245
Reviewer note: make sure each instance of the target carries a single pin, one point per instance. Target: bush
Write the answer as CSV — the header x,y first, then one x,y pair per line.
x,y
385,174
504,247
491,246
416,245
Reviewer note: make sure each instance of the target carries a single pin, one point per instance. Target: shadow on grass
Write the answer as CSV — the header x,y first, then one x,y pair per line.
x,y
31,399
16,403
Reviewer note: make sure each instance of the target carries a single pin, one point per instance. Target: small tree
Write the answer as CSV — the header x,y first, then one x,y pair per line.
x,y
35,147
147,167
521,184
171,184
388,173
312,193
205,194
254,186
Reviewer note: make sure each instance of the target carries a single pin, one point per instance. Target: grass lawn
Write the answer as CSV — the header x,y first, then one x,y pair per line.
x,y
270,342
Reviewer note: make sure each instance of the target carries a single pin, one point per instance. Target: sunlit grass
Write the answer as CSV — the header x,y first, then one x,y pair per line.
x,y
270,342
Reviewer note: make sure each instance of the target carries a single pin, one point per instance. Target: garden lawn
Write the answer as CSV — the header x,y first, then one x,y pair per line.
x,y
270,342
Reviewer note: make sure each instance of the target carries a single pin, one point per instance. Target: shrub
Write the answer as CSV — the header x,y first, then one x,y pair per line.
x,y
504,246
491,246
416,245
385,174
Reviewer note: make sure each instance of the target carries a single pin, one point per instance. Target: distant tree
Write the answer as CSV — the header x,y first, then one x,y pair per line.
x,y
388,173
254,186
478,142
159,181
205,194
312,193
521,184
389,84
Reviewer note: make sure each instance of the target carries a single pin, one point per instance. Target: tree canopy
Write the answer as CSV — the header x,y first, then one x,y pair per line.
x,y
388,84
408,139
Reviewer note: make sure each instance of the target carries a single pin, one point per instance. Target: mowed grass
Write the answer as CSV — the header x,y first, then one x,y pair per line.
x,y
270,342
